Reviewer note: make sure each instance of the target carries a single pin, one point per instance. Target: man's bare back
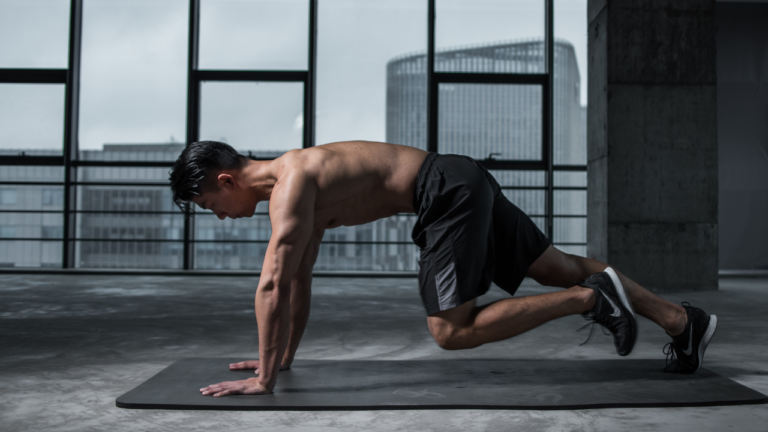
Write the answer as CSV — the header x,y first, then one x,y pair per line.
x,y
357,181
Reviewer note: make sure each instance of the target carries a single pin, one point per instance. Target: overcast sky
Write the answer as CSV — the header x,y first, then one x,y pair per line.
x,y
134,64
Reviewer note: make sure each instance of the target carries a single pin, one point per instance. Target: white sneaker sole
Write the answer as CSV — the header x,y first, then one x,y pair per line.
x,y
623,298
707,337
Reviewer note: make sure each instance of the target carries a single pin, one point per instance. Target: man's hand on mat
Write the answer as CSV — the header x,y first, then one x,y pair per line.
x,y
254,364
248,386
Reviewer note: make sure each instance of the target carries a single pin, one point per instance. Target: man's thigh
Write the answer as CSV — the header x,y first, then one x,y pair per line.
x,y
518,243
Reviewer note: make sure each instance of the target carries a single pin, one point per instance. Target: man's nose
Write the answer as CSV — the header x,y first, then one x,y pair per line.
x,y
221,216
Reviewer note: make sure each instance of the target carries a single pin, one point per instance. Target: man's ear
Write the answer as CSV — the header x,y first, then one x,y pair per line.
x,y
225,180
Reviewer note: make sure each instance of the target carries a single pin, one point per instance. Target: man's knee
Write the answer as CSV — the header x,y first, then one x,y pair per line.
x,y
445,333
445,337
451,328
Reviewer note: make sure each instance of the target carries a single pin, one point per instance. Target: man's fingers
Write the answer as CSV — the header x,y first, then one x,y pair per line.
x,y
250,364
233,388
213,388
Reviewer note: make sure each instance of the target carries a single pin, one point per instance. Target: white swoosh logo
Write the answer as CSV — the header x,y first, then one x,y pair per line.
x,y
616,311
690,340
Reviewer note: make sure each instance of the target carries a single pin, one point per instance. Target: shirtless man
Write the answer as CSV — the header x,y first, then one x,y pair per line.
x,y
468,232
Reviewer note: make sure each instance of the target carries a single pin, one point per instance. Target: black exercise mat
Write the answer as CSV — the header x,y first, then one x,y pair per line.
x,y
443,384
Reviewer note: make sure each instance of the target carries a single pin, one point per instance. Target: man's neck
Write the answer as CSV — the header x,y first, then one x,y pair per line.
x,y
260,178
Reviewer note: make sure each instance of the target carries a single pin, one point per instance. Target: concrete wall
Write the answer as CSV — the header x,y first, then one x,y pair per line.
x,y
652,141
742,123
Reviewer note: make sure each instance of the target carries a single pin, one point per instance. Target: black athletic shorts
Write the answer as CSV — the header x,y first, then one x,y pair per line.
x,y
469,233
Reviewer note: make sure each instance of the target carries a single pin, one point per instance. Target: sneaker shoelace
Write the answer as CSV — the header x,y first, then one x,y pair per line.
x,y
669,350
592,323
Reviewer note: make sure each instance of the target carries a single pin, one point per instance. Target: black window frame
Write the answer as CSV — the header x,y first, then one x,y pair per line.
x,y
70,78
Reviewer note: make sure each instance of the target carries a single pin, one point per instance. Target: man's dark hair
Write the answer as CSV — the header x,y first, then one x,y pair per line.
x,y
189,175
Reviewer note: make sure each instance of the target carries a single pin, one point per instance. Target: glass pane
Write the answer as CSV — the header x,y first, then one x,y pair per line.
x,y
31,226
570,230
532,202
541,223
368,257
134,75
497,121
130,226
263,119
492,36
125,199
573,250
370,83
519,178
24,173
260,34
210,227
570,178
34,34
30,253
134,152
353,255
32,119
396,228
138,255
570,202
122,174
262,208
19,197
570,91
230,256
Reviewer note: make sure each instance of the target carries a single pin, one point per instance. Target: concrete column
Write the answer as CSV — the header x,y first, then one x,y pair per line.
x,y
652,141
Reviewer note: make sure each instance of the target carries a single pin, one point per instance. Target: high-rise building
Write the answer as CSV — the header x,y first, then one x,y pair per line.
x,y
478,119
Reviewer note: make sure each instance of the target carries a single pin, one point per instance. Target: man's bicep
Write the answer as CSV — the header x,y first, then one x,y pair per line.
x,y
292,216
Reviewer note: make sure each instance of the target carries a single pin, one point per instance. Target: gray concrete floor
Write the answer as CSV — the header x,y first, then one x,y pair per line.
x,y
69,345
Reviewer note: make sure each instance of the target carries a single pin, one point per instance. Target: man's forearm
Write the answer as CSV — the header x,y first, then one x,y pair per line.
x,y
300,306
273,315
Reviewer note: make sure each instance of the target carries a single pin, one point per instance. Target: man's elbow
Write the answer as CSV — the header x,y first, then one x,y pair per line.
x,y
280,287
274,291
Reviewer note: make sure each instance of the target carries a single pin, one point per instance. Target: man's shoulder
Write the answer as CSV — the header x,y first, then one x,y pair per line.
x,y
294,162
296,168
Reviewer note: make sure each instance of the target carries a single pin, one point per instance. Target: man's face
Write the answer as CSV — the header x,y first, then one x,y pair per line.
x,y
228,200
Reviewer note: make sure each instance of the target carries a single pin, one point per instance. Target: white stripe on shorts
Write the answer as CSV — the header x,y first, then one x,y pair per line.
x,y
447,294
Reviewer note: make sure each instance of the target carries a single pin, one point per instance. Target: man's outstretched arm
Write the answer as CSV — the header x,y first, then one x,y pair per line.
x,y
291,211
301,292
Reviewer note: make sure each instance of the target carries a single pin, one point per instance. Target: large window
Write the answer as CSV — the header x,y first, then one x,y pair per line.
x,y
133,73
99,97
569,106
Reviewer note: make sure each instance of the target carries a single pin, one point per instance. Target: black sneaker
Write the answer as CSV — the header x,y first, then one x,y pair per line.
x,y
685,353
612,309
